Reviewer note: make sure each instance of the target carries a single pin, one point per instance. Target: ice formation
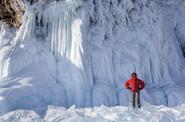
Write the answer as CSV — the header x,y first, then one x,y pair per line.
x,y
99,114
82,51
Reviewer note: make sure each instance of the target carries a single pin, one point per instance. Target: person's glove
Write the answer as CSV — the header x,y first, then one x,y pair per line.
x,y
129,88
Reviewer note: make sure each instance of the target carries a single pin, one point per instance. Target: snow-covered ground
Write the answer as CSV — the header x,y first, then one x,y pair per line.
x,y
80,52
100,114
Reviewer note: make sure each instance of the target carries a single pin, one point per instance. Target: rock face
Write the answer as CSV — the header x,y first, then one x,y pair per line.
x,y
11,12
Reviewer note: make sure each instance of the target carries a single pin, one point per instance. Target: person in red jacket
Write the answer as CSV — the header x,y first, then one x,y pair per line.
x,y
135,85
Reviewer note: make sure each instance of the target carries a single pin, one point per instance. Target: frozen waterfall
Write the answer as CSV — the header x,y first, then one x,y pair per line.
x,y
82,51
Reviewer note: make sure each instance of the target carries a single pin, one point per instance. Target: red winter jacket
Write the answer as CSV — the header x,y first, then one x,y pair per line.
x,y
134,84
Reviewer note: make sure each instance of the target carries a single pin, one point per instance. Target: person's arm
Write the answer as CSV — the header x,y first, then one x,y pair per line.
x,y
127,85
141,84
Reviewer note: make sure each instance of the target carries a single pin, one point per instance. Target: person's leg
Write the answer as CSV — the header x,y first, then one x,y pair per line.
x,y
133,100
138,99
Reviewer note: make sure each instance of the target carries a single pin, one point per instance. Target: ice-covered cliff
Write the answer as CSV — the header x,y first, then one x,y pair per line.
x,y
81,52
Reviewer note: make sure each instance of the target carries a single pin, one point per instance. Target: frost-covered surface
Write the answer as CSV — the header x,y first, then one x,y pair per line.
x,y
81,52
100,114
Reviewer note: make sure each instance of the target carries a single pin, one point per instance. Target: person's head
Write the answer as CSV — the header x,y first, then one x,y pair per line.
x,y
134,75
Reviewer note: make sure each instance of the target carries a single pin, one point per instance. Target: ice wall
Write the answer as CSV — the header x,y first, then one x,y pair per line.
x,y
81,52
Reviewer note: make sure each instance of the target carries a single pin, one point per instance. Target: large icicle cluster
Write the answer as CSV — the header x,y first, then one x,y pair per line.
x,y
81,52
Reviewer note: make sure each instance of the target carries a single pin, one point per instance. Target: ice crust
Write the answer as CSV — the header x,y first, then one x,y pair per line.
x,y
100,114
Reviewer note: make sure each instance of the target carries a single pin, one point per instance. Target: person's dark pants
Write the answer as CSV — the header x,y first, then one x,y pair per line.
x,y
136,100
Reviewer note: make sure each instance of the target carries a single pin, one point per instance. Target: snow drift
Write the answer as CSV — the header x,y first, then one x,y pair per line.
x,y
81,52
